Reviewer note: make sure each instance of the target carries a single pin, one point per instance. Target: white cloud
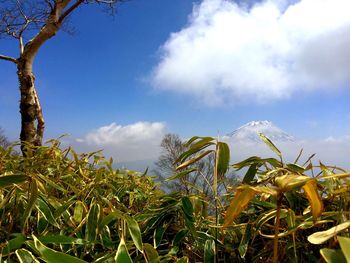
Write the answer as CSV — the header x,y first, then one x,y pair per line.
x,y
331,151
138,141
269,51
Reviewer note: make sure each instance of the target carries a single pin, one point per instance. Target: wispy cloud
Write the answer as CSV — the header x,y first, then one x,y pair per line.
x,y
137,141
266,52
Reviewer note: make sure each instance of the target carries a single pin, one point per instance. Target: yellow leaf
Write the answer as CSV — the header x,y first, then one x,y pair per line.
x,y
238,203
288,182
314,198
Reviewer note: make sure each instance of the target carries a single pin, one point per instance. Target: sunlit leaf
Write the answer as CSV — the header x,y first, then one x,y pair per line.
x,y
344,243
238,204
288,182
310,189
332,255
322,236
194,138
46,211
33,195
52,256
193,160
79,210
122,255
209,251
269,143
25,256
135,232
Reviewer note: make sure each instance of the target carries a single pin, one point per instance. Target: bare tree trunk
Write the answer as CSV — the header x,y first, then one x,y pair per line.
x,y
32,120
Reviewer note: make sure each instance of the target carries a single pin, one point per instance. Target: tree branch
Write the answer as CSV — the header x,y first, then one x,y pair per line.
x,y
8,59
69,10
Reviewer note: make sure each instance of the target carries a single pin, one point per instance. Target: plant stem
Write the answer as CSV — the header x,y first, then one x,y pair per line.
x,y
277,226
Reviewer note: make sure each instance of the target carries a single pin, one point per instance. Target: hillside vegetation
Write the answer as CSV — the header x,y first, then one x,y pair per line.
x,y
59,206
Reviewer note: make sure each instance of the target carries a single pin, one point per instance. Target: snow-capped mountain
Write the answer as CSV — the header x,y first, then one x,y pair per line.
x,y
249,132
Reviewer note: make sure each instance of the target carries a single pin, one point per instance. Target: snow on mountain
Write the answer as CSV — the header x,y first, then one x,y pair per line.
x,y
249,132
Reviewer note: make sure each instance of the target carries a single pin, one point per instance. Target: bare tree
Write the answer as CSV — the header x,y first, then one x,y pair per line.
x,y
4,142
197,181
31,23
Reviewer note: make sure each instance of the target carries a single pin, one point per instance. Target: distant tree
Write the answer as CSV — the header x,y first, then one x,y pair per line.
x,y
198,181
4,142
31,23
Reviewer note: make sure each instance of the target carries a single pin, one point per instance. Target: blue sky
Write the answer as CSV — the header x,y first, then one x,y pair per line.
x,y
192,68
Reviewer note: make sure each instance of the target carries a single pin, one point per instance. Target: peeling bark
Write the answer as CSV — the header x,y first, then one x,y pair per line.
x,y
32,120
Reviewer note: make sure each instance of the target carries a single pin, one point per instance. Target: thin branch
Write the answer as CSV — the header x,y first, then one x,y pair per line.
x,y
69,10
3,57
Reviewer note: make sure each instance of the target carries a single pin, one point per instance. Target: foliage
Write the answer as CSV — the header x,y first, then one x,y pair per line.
x,y
60,206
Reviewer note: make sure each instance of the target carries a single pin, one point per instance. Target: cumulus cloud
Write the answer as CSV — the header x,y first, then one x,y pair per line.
x,y
270,50
138,141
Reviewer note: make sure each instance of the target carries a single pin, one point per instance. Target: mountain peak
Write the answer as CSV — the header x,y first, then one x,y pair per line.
x,y
250,132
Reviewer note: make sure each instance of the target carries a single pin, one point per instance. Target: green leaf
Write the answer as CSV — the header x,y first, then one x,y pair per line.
x,y
46,211
12,179
79,210
63,208
184,259
187,209
116,214
151,254
295,168
269,143
194,138
223,158
181,174
14,244
322,236
31,201
250,174
92,223
179,236
195,148
158,235
332,255
203,141
135,232
209,251
25,256
344,243
243,246
61,239
52,256
193,160
122,255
